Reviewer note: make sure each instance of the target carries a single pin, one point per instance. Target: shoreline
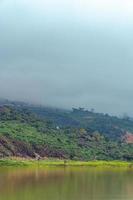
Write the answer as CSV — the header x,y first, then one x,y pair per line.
x,y
22,162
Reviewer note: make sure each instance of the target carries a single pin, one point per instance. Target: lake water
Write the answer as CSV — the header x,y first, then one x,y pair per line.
x,y
66,184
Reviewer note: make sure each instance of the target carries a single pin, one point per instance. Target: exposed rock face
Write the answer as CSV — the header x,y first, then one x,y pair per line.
x,y
128,138
12,147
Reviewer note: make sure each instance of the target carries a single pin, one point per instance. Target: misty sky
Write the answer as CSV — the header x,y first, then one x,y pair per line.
x,y
68,53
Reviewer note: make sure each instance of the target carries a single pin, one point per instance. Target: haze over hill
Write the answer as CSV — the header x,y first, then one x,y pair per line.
x,y
68,53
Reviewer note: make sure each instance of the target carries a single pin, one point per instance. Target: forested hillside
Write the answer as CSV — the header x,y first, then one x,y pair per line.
x,y
27,131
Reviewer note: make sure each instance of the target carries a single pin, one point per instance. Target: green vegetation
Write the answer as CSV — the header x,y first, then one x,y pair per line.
x,y
14,162
96,137
110,126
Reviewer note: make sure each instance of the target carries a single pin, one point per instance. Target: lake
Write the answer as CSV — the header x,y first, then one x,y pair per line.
x,y
60,183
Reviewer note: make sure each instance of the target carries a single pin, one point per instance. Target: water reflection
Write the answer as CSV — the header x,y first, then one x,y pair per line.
x,y
66,184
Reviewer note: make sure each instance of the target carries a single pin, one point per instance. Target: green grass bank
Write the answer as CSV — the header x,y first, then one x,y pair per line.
x,y
17,162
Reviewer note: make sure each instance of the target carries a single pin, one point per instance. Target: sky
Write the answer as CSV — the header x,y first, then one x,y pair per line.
x,y
68,53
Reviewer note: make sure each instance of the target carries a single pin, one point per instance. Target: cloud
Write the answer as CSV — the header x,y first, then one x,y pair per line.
x,y
77,53
119,9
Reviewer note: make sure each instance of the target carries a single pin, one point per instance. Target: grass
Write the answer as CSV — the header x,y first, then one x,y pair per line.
x,y
20,162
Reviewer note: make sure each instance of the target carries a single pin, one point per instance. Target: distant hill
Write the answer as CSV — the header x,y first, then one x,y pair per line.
x,y
110,126
28,130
